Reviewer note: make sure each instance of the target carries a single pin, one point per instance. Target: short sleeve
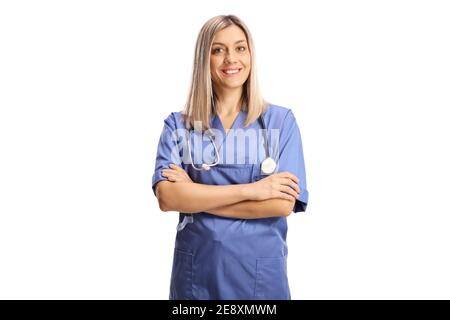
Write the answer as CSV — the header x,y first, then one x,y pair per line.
x,y
291,157
167,151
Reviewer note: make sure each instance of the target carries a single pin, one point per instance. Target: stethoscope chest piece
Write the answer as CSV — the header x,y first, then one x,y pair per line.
x,y
268,166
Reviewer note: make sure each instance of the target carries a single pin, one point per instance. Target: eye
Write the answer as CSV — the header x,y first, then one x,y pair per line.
x,y
244,48
215,50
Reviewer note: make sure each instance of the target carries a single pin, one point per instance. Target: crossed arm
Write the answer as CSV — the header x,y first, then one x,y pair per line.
x,y
231,201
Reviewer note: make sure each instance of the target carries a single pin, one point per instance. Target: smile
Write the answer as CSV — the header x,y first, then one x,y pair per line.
x,y
231,72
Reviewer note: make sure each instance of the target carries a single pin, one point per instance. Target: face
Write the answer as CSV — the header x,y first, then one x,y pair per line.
x,y
230,58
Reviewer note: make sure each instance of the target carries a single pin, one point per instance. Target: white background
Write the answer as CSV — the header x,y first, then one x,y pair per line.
x,y
85,87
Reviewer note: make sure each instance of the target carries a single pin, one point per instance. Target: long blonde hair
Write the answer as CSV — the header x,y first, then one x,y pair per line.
x,y
201,99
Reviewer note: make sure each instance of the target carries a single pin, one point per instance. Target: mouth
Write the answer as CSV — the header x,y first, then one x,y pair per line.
x,y
230,72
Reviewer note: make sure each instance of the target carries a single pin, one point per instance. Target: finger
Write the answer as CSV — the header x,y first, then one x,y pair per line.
x,y
292,184
171,178
166,172
177,176
295,186
293,177
290,176
181,174
286,196
289,190
175,167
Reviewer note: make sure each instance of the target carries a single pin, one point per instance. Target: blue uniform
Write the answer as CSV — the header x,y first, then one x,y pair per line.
x,y
223,258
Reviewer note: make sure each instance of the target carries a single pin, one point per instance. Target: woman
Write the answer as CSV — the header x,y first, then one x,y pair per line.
x,y
231,239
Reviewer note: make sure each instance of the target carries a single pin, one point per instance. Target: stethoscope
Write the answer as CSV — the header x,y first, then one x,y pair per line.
x,y
268,165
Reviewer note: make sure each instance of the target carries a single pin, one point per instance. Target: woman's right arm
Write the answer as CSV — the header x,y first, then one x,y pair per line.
x,y
196,197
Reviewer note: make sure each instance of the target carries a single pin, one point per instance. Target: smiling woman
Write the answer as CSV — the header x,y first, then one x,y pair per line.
x,y
231,236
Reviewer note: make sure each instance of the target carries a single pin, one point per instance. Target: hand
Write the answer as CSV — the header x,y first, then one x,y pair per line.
x,y
176,174
283,185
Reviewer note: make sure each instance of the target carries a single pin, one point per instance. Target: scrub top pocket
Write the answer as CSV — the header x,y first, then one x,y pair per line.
x,y
181,279
271,279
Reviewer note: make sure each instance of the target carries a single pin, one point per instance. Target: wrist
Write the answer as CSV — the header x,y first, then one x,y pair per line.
x,y
247,191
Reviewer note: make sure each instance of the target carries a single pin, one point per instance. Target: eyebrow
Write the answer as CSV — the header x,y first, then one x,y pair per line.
x,y
234,43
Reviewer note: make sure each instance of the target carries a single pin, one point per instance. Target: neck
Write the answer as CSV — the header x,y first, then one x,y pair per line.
x,y
229,100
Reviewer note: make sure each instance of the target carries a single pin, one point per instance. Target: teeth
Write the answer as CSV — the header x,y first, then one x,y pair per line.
x,y
231,71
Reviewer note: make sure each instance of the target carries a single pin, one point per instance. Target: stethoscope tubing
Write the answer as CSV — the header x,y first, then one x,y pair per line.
x,y
204,166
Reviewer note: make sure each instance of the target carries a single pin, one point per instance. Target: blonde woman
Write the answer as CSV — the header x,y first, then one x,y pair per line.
x,y
232,165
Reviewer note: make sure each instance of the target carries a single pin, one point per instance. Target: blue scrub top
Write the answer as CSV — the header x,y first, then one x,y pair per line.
x,y
223,258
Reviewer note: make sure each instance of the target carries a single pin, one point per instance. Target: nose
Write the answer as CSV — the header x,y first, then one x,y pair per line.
x,y
229,57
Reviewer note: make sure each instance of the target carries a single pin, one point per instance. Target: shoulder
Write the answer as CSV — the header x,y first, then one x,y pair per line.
x,y
174,120
278,114
277,108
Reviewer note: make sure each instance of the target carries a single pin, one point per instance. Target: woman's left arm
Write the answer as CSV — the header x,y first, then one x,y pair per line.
x,y
255,209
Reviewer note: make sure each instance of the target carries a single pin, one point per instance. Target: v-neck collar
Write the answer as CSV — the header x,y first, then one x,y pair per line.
x,y
232,125
217,124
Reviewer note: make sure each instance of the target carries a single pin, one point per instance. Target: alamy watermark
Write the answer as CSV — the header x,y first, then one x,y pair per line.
x,y
237,146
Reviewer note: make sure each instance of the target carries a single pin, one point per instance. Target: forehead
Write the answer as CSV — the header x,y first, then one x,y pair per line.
x,y
229,35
